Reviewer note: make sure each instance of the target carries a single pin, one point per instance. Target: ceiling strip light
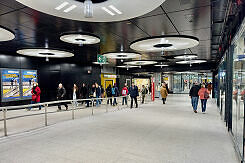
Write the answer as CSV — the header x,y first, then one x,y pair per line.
x,y
115,9
62,5
70,8
108,11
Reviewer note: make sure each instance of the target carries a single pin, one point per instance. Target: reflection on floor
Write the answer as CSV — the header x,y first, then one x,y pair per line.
x,y
154,133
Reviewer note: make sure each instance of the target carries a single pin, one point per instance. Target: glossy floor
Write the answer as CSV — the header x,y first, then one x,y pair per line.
x,y
169,133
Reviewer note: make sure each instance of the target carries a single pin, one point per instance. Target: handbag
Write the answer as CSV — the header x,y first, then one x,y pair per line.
x,y
206,94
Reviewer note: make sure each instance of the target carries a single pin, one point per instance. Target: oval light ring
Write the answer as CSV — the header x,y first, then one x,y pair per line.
x,y
80,38
6,34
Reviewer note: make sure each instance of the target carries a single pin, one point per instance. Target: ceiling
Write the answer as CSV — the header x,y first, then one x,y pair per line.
x,y
34,29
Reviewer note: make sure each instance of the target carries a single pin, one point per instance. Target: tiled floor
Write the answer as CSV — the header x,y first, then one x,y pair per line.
x,y
169,133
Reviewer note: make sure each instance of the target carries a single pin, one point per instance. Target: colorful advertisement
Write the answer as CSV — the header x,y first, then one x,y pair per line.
x,y
10,84
28,78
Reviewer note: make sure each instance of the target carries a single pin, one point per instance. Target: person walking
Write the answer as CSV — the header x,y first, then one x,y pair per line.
x,y
109,94
164,93
61,93
84,94
36,92
98,94
115,93
204,96
124,94
75,95
143,92
194,96
102,91
134,93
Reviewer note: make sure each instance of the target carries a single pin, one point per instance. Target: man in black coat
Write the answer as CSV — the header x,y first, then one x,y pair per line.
x,y
194,96
84,93
61,93
134,93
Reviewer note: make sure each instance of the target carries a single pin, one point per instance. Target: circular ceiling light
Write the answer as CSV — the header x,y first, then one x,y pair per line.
x,y
45,52
164,43
121,55
186,56
128,66
98,63
161,65
80,38
191,62
103,10
140,63
6,34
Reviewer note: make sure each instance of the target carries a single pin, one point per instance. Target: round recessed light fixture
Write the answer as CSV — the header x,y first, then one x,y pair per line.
x,y
98,63
164,43
140,63
161,65
191,61
99,10
45,52
121,55
128,66
6,34
80,38
186,56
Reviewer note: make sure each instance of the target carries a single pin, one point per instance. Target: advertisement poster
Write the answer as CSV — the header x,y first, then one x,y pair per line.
x,y
10,84
28,78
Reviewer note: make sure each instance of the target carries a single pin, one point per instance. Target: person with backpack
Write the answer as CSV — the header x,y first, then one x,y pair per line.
x,y
115,93
36,92
109,94
124,94
204,96
143,92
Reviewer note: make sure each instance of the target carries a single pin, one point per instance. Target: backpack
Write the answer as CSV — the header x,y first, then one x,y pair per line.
x,y
113,91
206,94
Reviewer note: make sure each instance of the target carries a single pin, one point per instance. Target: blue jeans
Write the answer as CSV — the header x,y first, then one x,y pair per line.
x,y
124,99
98,102
115,101
204,104
34,102
194,102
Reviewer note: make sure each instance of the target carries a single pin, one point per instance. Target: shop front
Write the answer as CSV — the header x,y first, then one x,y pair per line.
x,y
108,79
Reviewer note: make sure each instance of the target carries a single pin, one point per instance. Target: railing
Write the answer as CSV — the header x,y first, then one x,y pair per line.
x,y
72,102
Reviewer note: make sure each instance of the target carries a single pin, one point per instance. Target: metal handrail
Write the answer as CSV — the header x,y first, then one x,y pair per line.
x,y
5,109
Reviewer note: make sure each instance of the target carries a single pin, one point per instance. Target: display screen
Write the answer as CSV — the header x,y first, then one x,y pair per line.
x,y
28,78
10,84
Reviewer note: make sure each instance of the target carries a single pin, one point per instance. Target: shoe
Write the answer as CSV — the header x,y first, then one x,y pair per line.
x,y
66,108
195,111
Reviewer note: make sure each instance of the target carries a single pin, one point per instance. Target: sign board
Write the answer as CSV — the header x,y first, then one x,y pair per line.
x,y
28,78
110,76
101,59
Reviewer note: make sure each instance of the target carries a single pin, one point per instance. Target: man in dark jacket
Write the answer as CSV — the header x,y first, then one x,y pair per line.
x,y
109,94
115,94
194,96
61,93
84,94
134,92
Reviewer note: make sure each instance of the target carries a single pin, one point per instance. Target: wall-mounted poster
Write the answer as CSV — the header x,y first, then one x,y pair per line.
x,y
28,78
10,84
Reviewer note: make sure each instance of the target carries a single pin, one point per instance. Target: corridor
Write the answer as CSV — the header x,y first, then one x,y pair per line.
x,y
170,133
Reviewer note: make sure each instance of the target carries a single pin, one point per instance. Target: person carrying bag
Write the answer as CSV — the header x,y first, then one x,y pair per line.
x,y
204,96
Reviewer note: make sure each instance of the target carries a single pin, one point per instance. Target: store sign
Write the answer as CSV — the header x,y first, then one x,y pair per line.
x,y
101,59
110,76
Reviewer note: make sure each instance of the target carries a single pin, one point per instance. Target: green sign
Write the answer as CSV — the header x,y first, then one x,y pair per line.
x,y
101,59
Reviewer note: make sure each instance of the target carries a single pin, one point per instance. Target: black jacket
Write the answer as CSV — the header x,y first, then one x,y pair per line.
x,y
108,92
194,91
133,91
61,93
84,92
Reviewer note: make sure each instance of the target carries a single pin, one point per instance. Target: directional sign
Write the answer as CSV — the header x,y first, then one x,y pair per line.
x,y
101,59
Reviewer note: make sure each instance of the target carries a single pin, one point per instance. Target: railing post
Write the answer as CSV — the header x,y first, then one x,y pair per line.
x,y
92,106
46,114
5,121
107,104
73,109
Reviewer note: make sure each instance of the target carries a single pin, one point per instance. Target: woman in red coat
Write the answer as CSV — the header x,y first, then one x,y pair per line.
x,y
36,92
204,95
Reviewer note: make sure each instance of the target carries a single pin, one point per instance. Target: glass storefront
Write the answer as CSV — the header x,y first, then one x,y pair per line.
x,y
222,86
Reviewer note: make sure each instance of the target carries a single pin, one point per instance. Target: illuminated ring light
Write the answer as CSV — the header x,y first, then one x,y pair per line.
x,y
128,66
140,63
164,43
191,61
121,55
6,34
103,11
80,38
186,56
97,63
45,52
161,65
